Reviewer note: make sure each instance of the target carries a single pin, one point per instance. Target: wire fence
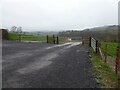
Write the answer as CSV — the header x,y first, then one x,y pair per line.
x,y
105,53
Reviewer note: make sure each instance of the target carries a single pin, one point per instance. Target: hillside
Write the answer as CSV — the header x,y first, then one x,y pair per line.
x,y
100,33
104,29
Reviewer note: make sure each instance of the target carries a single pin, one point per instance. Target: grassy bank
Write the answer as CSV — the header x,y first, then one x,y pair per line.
x,y
27,37
103,73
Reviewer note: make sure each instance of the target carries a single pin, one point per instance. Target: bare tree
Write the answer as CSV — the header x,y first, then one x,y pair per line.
x,y
13,29
19,30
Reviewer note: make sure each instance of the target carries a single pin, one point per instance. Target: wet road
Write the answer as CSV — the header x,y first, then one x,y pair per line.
x,y
41,65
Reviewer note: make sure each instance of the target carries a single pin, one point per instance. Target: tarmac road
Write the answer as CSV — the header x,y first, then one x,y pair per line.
x,y
41,65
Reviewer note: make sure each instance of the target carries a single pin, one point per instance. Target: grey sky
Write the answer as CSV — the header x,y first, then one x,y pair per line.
x,y
58,14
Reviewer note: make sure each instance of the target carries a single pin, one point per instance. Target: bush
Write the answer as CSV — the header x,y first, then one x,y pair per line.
x,y
5,34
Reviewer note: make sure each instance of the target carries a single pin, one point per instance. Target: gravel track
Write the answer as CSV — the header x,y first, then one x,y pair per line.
x,y
41,65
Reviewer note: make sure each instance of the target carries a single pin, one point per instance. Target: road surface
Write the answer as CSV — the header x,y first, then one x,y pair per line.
x,y
41,65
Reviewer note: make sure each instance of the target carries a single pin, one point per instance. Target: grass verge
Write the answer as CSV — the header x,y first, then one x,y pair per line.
x,y
103,73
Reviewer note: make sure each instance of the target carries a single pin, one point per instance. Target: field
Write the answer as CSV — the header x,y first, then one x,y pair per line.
x,y
30,37
27,37
111,48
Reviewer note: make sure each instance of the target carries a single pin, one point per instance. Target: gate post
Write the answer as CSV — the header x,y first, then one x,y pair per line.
x,y
90,41
57,40
54,39
47,38
96,46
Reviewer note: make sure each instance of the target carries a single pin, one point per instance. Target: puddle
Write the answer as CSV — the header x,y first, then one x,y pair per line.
x,y
58,45
38,64
74,44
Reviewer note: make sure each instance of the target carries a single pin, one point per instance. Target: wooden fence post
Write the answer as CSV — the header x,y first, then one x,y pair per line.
x,y
57,40
54,39
96,46
47,38
90,41
106,52
117,60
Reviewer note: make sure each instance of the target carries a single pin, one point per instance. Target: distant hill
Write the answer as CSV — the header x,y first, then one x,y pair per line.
x,y
112,27
100,33
108,33
104,29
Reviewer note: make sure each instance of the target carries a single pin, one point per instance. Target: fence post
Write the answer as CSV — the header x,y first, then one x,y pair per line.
x,y
54,39
106,52
96,46
117,60
47,38
90,41
57,40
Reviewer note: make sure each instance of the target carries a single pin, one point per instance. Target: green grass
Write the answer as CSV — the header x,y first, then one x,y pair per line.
x,y
50,39
111,48
103,73
27,37
33,38
13,36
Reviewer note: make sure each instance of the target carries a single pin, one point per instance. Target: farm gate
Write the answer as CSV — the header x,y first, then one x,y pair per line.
x,y
92,42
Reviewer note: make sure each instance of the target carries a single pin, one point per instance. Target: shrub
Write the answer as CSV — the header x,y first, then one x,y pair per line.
x,y
5,34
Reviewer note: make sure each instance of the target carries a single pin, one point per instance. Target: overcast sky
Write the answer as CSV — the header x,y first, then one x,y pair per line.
x,y
58,14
